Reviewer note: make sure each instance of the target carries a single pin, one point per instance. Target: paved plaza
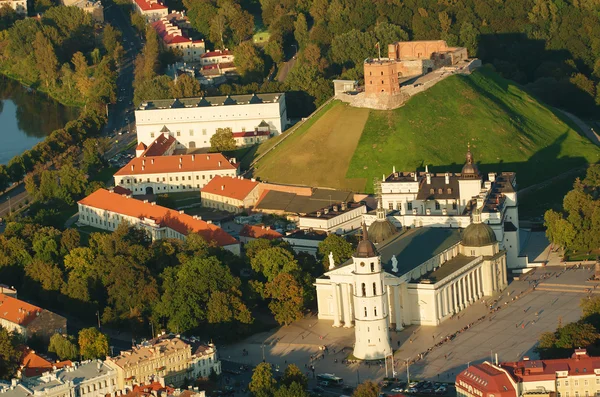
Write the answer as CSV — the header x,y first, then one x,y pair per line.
x,y
510,331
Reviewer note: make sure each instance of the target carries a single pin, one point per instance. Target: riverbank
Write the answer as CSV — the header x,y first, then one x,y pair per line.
x,y
5,72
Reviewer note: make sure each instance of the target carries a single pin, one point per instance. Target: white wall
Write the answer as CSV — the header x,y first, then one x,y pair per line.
x,y
195,126
340,224
20,6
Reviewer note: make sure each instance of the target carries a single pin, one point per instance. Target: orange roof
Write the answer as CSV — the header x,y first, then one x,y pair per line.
x,y
32,364
146,390
254,231
485,377
140,146
227,186
16,311
160,145
182,223
149,5
182,163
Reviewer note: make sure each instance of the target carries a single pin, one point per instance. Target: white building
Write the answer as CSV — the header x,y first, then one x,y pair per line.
x,y
168,174
338,218
174,31
87,379
152,10
429,274
105,210
305,241
420,199
20,6
193,121
217,57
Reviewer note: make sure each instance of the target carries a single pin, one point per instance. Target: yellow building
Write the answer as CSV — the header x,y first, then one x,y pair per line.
x,y
233,194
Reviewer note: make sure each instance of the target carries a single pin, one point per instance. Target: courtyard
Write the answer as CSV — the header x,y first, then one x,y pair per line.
x,y
511,329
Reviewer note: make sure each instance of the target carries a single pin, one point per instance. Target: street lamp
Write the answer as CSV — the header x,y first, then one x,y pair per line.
x,y
98,315
295,49
407,372
263,351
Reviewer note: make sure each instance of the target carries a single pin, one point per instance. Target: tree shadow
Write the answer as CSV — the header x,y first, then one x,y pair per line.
x,y
547,74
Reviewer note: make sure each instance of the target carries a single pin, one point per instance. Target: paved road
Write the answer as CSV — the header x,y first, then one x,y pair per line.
x,y
10,200
285,69
589,132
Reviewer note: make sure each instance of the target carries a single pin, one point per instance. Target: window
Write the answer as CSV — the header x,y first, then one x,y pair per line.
x,y
409,204
189,177
577,381
566,383
454,205
204,131
372,267
382,75
390,206
176,178
437,205
431,191
440,191
398,205
374,289
191,132
364,291
178,133
449,190
375,311
365,310
585,382
152,135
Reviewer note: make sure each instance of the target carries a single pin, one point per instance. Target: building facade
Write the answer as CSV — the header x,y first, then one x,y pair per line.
x,y
168,357
577,376
20,6
152,10
168,174
217,57
193,121
253,232
106,210
232,194
175,32
427,199
28,320
338,218
429,275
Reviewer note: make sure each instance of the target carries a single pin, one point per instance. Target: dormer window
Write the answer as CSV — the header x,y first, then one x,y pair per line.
x,y
449,190
440,191
431,191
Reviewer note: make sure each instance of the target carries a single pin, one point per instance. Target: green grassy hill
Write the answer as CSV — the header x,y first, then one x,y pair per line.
x,y
509,130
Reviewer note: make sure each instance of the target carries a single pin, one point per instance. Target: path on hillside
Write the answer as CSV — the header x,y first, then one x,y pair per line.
x,y
547,182
583,126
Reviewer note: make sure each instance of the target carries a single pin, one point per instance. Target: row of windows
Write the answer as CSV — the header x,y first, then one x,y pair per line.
x,y
92,388
409,205
189,178
576,381
586,394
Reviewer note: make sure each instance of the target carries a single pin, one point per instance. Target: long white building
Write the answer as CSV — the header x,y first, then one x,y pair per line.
x,y
425,199
193,121
104,209
20,6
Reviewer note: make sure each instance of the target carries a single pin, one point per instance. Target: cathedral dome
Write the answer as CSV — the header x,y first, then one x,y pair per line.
x,y
381,230
365,248
478,235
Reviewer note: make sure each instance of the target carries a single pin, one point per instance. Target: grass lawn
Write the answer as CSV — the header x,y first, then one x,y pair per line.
x,y
319,152
509,130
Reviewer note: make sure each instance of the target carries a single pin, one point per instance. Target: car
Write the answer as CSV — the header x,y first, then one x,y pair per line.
x,y
397,390
324,383
412,390
441,390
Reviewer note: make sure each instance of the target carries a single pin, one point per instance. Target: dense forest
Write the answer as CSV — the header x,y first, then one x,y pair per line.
x,y
550,46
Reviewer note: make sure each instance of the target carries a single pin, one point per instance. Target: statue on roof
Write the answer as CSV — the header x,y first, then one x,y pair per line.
x,y
394,264
331,261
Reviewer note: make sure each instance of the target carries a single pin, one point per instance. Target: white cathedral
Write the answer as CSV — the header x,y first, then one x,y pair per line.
x,y
425,273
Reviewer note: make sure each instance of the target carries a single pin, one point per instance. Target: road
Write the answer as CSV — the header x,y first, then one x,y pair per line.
x,y
11,200
285,69
586,129
120,114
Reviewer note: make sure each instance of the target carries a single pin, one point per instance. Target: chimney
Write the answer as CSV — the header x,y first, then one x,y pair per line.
x,y
318,214
428,178
326,210
181,212
232,160
447,178
343,206
143,168
394,170
153,203
335,208
492,177
143,161
132,167
151,161
145,201
208,157
414,176
219,163
253,180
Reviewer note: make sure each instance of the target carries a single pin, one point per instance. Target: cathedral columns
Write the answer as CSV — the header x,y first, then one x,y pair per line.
x,y
471,287
397,311
461,285
336,305
480,271
455,295
440,305
448,298
346,305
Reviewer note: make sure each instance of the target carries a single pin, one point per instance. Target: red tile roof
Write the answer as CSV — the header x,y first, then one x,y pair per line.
x,y
182,163
32,364
233,187
141,146
169,37
254,231
250,133
146,5
182,223
485,378
146,390
535,370
160,145
216,53
17,311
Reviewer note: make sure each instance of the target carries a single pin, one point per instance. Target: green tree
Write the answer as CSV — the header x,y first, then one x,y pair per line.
x,y
287,298
262,383
111,38
301,30
367,389
91,155
63,347
293,374
248,61
272,261
10,354
292,390
8,16
468,37
82,78
138,22
4,177
201,13
47,63
185,87
156,88
92,343
222,140
342,250
308,80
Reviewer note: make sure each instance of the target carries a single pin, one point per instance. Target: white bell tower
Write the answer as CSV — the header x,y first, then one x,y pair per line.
x,y
370,303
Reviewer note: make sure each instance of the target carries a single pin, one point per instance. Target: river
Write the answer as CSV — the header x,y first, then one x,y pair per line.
x,y
26,118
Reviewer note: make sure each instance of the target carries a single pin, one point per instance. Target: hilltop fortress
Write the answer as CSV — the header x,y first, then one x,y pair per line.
x,y
411,67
